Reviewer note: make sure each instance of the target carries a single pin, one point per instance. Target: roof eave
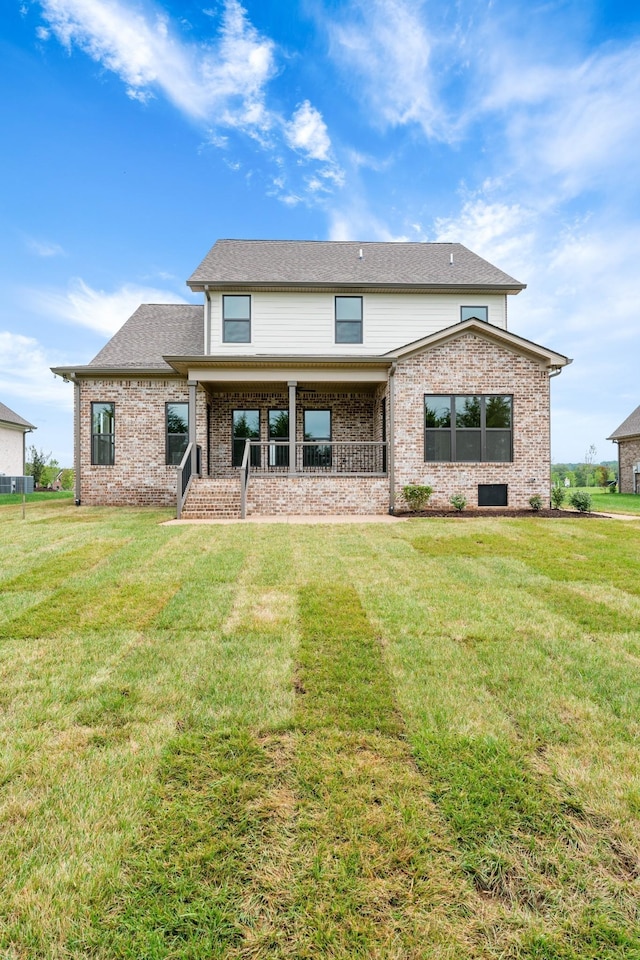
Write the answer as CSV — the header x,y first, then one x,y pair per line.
x,y
201,285
88,370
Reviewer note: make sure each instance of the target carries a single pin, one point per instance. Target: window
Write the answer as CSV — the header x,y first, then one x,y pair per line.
x,y
236,319
474,313
177,424
348,319
246,426
102,434
317,426
278,430
468,428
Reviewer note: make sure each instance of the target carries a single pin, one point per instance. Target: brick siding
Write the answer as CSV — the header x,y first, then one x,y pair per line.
x,y
470,364
140,475
629,453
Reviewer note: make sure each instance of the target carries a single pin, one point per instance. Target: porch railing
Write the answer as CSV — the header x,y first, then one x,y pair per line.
x,y
318,456
184,477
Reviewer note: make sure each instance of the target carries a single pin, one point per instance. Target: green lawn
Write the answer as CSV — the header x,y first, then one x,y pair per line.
x,y
612,502
281,741
16,498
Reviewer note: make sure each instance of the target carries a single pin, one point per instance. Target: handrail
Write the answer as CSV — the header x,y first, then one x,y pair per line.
x,y
244,478
346,457
184,477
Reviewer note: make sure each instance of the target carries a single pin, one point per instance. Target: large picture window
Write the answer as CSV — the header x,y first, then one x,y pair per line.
x,y
103,445
468,428
348,319
236,319
177,422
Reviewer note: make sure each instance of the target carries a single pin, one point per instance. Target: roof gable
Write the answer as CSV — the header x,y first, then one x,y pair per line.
x,y
154,330
288,263
7,416
628,428
488,331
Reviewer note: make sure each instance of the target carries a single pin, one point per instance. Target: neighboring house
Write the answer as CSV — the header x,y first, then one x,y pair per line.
x,y
351,368
627,436
13,431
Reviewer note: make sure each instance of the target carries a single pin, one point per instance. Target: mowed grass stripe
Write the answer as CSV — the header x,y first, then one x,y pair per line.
x,y
342,679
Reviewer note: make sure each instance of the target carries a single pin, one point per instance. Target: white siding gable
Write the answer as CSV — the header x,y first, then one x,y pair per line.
x,y
298,323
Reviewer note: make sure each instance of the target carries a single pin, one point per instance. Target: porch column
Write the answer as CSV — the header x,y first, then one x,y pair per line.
x,y
292,384
193,386
391,437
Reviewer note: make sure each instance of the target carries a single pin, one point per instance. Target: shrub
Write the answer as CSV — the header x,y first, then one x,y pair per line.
x,y
535,502
416,497
558,495
458,501
613,487
581,501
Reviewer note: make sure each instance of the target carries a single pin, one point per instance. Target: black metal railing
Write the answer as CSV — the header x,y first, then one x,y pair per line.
x,y
317,456
184,477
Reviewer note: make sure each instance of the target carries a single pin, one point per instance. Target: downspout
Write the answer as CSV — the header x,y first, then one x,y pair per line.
x,y
391,435
76,437
554,371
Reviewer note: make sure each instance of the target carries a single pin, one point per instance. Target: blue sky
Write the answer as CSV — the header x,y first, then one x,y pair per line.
x,y
137,133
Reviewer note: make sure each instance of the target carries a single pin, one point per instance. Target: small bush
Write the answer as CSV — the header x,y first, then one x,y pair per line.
x,y
558,495
416,497
458,501
581,501
613,487
535,502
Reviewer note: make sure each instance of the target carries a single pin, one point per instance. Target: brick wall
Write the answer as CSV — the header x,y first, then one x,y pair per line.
x,y
317,495
140,475
471,364
629,453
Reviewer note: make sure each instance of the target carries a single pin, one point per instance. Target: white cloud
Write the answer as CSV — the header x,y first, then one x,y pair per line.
x,y
385,45
221,82
44,248
307,132
96,309
25,373
573,122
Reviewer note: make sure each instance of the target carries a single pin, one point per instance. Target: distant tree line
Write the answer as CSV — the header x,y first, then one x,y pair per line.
x,y
585,474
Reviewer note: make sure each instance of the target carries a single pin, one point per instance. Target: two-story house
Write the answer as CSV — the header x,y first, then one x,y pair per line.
x,y
318,377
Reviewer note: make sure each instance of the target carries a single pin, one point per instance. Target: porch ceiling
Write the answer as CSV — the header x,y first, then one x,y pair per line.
x,y
304,387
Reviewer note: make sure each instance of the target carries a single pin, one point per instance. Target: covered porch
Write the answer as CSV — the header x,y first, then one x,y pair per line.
x,y
289,433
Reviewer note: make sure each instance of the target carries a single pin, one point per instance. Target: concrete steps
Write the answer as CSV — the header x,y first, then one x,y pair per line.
x,y
210,498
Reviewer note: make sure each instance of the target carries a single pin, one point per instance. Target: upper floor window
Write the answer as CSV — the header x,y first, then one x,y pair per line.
x,y
348,319
468,428
177,421
236,319
103,444
474,313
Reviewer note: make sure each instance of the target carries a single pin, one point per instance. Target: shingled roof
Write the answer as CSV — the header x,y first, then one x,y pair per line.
x,y
430,266
628,428
8,416
153,331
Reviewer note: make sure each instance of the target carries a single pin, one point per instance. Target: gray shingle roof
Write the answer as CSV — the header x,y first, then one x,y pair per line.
x,y
629,427
334,263
8,416
153,331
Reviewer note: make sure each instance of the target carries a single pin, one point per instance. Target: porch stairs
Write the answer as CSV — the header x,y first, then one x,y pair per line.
x,y
212,499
